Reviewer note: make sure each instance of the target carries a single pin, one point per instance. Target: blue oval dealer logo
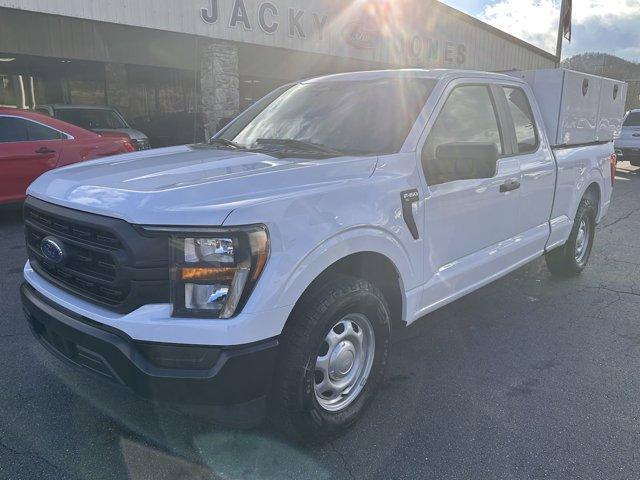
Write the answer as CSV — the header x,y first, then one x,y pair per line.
x,y
361,34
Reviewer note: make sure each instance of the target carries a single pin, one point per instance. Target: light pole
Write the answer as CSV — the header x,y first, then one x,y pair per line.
x,y
564,28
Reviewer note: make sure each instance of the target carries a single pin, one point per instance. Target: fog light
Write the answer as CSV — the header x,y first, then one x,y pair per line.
x,y
205,297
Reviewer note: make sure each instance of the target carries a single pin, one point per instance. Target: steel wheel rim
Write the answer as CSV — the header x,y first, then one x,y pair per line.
x,y
582,241
344,362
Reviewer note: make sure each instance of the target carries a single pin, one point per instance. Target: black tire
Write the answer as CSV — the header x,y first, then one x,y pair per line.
x,y
563,261
294,406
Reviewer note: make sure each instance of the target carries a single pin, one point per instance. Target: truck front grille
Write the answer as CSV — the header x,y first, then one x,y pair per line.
x,y
106,261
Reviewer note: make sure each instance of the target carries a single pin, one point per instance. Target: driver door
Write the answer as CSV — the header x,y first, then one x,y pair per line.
x,y
471,223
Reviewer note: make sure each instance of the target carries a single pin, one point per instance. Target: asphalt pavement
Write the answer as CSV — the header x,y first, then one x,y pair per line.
x,y
529,378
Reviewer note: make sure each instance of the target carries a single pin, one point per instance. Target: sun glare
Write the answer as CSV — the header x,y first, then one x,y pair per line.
x,y
396,31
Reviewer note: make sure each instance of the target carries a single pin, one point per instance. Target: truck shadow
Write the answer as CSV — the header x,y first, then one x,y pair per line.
x,y
125,436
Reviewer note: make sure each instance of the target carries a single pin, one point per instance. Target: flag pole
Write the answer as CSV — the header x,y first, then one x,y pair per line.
x,y
560,33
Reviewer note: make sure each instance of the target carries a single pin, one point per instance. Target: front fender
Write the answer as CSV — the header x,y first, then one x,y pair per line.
x,y
341,245
317,227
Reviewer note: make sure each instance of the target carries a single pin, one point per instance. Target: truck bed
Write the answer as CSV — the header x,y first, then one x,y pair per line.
x,y
574,166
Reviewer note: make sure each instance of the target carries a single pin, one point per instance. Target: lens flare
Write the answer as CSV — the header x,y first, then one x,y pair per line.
x,y
399,32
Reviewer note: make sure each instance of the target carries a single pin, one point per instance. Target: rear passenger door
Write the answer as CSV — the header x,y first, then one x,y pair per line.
x,y
27,150
537,165
471,223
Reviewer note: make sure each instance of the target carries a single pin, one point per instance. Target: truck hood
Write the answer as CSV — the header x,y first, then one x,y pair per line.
x,y
189,185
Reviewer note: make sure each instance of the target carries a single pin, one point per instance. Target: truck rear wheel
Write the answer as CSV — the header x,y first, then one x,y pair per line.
x,y
333,355
570,259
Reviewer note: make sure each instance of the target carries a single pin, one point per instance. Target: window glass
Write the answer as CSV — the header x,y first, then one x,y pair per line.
x,y
13,130
523,120
467,116
632,120
35,131
91,119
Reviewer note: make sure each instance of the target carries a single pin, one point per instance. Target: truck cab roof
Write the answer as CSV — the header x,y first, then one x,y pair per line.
x,y
435,74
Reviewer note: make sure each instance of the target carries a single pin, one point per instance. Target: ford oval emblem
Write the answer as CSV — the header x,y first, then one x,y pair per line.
x,y
53,250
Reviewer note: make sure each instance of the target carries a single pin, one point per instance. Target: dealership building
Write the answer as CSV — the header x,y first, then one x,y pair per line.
x,y
209,59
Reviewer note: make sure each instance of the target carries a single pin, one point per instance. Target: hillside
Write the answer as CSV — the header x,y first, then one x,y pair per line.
x,y
609,66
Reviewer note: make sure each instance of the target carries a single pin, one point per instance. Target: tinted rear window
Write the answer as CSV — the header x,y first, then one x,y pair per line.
x,y
13,130
91,119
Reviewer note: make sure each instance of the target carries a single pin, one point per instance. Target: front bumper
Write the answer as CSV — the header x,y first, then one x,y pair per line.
x,y
183,374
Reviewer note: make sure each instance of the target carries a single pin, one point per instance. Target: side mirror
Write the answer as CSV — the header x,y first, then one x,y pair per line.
x,y
464,161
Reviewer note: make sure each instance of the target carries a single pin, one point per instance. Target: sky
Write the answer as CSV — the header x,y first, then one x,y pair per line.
x,y
610,26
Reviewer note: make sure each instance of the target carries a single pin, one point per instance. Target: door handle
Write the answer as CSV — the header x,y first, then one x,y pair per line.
x,y
509,186
45,150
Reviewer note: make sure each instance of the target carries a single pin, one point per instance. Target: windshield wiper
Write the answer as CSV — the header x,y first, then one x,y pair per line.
x,y
225,143
299,145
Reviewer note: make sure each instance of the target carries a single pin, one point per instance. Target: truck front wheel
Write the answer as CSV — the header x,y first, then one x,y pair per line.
x,y
333,354
572,257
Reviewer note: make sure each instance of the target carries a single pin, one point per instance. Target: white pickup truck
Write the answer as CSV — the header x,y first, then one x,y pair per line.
x,y
269,267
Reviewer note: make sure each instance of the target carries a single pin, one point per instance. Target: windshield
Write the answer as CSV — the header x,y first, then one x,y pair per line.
x,y
632,120
91,119
359,117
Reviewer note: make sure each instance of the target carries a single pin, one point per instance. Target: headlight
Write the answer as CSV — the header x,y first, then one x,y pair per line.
x,y
213,273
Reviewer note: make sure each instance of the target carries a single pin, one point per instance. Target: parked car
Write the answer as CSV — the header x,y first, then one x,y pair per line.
x,y
31,144
272,265
628,142
96,119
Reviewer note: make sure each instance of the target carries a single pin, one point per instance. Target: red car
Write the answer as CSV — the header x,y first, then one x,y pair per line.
x,y
32,143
